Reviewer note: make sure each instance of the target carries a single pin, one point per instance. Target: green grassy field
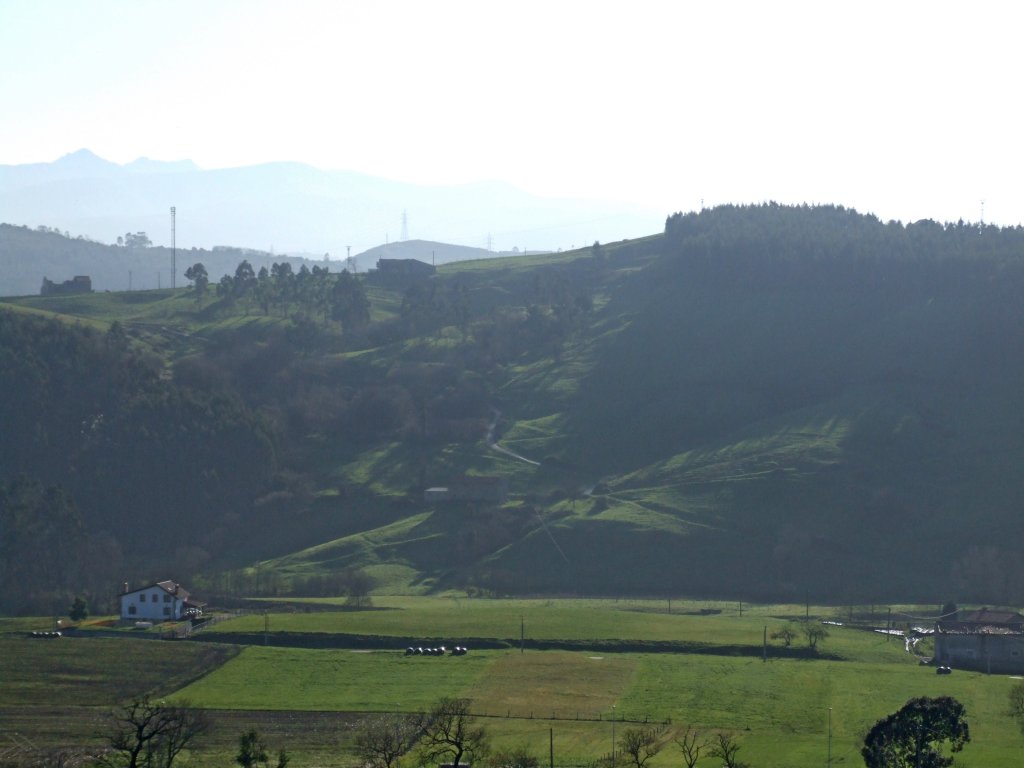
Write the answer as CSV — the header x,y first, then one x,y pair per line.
x,y
779,708
56,691
628,620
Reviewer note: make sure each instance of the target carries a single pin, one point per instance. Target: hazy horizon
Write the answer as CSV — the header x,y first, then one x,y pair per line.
x,y
901,111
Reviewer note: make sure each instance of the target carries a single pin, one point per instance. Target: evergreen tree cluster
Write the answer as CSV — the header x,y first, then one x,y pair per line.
x,y
117,457
768,245
316,292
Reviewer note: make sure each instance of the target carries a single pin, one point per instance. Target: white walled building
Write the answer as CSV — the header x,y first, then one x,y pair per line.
x,y
162,601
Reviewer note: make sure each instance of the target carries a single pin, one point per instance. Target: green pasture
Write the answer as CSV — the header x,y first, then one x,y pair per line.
x,y
23,624
628,620
510,263
56,691
779,708
108,306
527,261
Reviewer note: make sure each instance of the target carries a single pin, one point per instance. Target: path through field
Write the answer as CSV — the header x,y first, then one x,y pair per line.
x,y
493,445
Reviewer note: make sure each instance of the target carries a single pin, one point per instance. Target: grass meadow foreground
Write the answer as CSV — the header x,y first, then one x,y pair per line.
x,y
305,699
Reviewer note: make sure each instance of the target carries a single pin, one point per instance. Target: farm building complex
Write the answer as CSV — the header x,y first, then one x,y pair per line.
x,y
985,640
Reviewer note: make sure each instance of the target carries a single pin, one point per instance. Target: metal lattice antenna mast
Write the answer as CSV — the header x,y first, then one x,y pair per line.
x,y
174,248
405,225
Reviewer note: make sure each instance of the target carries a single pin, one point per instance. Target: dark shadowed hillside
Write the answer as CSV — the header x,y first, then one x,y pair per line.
x,y
829,403
764,401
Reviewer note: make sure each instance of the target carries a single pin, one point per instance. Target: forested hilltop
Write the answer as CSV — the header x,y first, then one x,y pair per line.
x,y
763,401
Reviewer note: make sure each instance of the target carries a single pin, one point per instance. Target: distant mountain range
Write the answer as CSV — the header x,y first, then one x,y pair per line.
x,y
297,209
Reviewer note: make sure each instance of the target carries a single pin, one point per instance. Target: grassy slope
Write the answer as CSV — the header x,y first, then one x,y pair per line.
x,y
778,432
781,450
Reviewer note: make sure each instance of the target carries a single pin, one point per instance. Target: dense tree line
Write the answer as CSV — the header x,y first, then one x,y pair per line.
x,y
317,292
758,316
48,555
148,469
820,246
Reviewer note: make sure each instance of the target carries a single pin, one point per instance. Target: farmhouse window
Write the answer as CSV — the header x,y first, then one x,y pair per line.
x,y
131,610
167,598
142,597
167,611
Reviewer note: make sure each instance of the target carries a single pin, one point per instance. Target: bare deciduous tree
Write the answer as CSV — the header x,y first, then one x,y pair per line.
x,y
814,633
690,744
639,745
449,734
787,635
24,755
150,734
724,746
381,740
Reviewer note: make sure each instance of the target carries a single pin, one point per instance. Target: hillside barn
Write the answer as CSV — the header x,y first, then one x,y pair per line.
x,y
984,641
78,284
404,268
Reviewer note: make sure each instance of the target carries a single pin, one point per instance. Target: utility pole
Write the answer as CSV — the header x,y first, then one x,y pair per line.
x,y
829,763
174,248
613,736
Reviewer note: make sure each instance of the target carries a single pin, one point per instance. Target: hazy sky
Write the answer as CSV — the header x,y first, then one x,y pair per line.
x,y
904,109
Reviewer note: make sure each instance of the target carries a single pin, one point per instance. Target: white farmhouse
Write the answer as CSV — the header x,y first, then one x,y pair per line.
x,y
162,601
